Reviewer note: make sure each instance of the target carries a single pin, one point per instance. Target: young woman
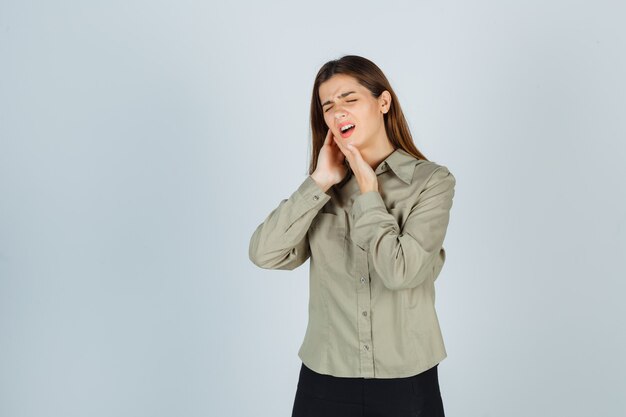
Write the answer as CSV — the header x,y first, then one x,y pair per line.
x,y
371,216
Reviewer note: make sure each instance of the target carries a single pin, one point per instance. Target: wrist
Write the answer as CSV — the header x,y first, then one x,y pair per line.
x,y
323,183
367,190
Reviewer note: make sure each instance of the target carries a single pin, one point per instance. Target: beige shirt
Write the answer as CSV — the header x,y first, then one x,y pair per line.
x,y
374,259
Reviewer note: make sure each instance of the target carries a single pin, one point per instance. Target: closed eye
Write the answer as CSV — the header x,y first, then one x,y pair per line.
x,y
350,101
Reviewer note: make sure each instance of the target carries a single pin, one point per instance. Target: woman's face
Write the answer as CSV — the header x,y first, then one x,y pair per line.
x,y
346,102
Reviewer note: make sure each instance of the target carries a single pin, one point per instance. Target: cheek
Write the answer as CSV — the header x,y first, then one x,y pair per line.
x,y
327,120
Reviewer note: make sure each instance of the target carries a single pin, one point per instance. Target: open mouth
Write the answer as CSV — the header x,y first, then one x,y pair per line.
x,y
346,132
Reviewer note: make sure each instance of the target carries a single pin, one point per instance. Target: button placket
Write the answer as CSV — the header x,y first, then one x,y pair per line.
x,y
364,306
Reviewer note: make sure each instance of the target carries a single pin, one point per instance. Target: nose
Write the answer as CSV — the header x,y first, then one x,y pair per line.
x,y
339,114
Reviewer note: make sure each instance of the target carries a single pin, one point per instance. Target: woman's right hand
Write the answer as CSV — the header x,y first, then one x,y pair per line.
x,y
330,169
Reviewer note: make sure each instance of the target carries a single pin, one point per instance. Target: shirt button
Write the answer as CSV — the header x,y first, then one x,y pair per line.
x,y
366,347
362,280
315,197
365,313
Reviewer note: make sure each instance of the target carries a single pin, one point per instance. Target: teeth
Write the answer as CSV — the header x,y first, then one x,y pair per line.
x,y
346,127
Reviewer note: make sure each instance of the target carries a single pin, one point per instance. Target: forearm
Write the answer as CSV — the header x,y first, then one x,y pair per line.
x,y
280,241
406,256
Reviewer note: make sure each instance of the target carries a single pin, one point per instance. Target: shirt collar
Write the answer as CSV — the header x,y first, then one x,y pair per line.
x,y
401,163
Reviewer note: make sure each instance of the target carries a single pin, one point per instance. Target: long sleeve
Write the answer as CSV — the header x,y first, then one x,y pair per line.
x,y
404,258
280,242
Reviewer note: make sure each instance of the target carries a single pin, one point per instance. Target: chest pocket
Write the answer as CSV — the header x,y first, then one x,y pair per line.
x,y
327,239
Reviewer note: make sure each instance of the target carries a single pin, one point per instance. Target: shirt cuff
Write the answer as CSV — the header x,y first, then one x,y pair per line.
x,y
312,194
365,202
368,210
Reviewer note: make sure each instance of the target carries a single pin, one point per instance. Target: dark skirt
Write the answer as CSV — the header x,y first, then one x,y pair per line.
x,y
320,395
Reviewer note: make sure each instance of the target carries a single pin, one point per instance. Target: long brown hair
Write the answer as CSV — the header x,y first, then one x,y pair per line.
x,y
372,78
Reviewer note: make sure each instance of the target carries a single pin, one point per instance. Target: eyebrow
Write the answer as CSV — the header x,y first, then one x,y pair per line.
x,y
341,95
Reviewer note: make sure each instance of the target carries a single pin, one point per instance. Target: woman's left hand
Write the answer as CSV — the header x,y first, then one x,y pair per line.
x,y
365,175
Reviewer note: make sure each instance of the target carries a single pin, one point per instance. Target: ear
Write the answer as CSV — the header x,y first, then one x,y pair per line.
x,y
384,101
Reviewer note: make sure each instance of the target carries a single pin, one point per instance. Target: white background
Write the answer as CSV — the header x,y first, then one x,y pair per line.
x,y
142,142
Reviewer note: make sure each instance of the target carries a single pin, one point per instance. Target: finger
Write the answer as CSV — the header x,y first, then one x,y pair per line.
x,y
328,140
354,151
332,139
340,145
356,155
345,151
339,142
